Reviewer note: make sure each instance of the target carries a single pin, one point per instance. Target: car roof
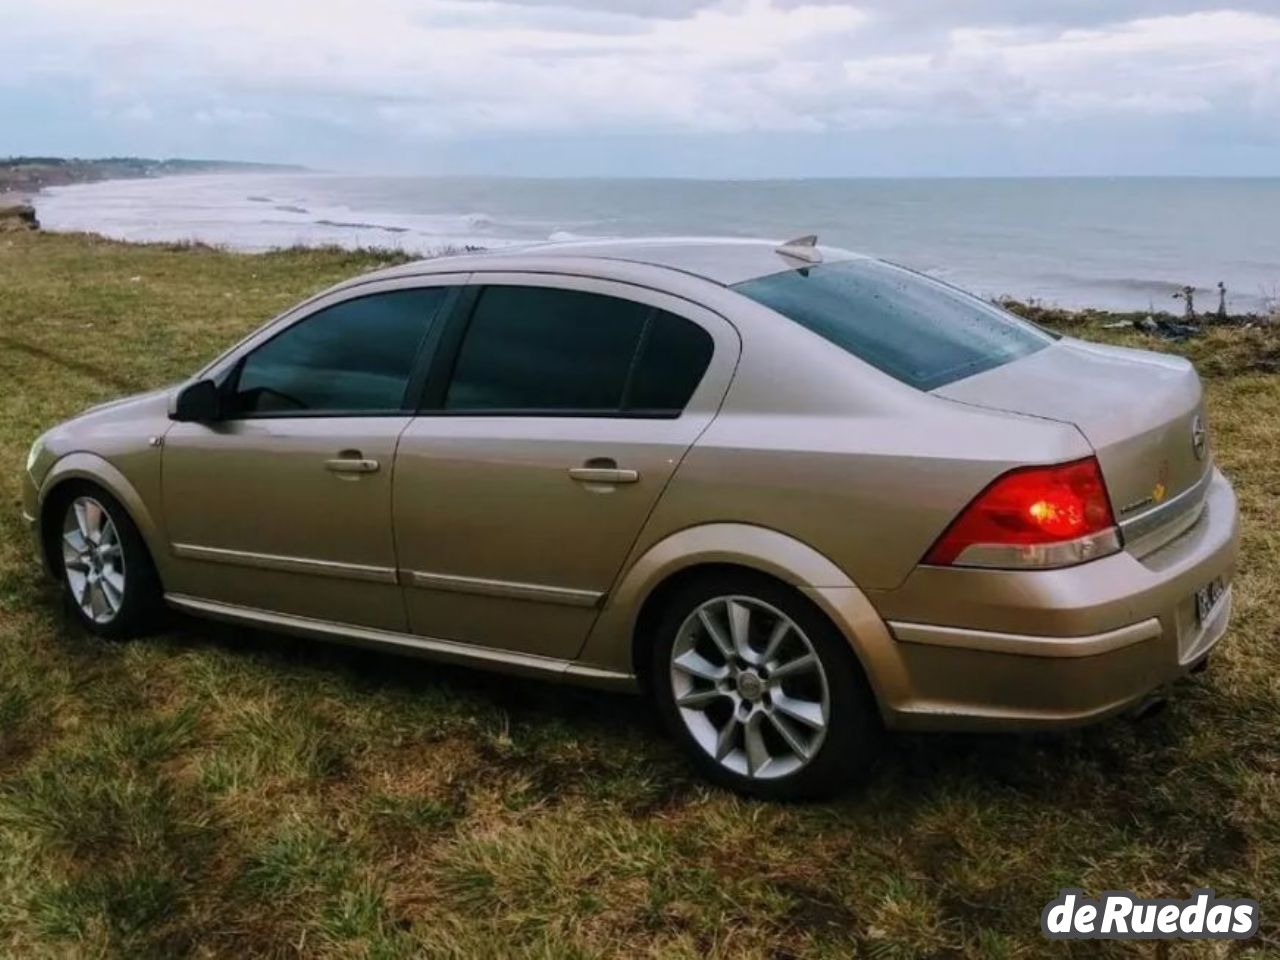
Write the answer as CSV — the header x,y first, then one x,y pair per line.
x,y
721,260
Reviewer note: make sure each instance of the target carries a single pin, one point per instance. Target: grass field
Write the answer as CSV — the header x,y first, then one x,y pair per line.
x,y
214,792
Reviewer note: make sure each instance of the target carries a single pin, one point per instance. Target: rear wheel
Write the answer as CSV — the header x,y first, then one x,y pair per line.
x,y
760,689
107,575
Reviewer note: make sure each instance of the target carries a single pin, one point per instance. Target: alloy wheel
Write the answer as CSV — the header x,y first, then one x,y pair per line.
x,y
93,557
750,687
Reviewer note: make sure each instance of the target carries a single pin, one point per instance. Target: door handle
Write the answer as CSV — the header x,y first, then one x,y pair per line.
x,y
351,465
603,474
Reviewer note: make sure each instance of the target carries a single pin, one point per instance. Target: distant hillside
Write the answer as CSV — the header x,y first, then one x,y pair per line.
x,y
30,174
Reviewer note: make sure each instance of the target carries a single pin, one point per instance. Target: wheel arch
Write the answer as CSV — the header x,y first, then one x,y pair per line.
x,y
89,468
619,640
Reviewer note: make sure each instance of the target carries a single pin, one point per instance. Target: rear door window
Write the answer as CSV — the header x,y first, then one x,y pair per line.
x,y
674,356
542,350
530,349
916,329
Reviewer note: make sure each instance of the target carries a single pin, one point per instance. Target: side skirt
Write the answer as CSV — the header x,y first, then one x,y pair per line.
x,y
448,651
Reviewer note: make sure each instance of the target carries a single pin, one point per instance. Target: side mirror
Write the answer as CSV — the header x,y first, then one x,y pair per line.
x,y
199,402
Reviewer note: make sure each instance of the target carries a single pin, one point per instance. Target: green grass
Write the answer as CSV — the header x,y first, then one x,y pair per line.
x,y
216,792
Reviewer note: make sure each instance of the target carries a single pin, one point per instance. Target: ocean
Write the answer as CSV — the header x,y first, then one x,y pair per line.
x,y
1123,243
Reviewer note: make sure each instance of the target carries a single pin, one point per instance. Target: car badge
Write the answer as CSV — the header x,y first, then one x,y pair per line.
x,y
1161,489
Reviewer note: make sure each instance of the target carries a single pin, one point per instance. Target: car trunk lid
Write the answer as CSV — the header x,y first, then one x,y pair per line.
x,y
1141,412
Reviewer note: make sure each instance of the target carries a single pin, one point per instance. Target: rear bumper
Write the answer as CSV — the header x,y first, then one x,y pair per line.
x,y
984,649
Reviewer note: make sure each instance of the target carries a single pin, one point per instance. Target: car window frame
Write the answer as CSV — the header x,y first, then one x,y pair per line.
x,y
444,362
228,375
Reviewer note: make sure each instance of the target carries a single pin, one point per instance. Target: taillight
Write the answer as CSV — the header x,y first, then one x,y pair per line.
x,y
1037,517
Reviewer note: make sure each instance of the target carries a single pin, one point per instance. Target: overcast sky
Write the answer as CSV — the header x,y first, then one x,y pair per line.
x,y
735,88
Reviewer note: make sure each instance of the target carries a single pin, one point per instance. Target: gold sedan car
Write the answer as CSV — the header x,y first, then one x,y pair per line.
x,y
796,495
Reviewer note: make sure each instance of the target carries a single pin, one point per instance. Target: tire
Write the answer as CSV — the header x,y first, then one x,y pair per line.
x,y
108,579
798,695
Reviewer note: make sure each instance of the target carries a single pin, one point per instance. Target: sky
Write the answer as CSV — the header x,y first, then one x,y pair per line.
x,y
712,88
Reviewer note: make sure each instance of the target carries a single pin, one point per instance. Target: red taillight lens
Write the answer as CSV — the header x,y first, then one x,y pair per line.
x,y
1033,517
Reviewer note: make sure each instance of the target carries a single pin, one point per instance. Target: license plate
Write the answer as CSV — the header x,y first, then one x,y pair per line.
x,y
1207,598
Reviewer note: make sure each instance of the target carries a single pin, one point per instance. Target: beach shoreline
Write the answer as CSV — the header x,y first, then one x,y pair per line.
x,y
1076,244
27,176
24,180
1038,311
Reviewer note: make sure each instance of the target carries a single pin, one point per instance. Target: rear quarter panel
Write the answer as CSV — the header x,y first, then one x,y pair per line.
x,y
816,444
846,463
1135,407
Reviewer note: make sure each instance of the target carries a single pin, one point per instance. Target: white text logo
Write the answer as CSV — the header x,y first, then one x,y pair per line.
x,y
1119,915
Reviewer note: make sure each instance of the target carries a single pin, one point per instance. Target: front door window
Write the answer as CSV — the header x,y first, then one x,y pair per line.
x,y
355,357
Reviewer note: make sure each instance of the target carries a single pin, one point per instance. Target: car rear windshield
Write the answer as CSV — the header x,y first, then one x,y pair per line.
x,y
916,329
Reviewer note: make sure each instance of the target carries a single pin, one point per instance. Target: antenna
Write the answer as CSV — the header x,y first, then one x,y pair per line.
x,y
802,248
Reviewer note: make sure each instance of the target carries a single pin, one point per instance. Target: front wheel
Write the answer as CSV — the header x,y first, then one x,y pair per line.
x,y
107,575
760,689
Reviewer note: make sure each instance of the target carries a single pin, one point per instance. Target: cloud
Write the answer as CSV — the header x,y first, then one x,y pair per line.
x,y
447,70
925,16
1195,63
229,116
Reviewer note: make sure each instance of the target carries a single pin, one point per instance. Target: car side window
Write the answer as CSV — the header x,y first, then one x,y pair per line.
x,y
674,356
538,348
531,350
353,357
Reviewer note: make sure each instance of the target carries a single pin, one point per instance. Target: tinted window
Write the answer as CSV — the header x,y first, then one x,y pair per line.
x,y
673,359
536,348
916,329
355,356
